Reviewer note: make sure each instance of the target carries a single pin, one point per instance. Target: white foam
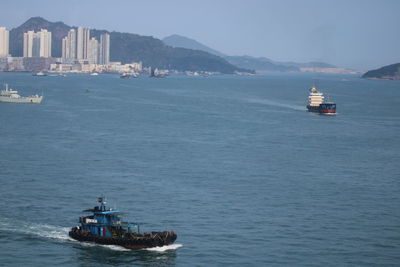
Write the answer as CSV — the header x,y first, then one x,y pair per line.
x,y
116,248
42,230
165,248
275,103
112,247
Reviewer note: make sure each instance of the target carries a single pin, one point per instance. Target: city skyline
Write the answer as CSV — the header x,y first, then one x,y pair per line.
x,y
77,44
80,52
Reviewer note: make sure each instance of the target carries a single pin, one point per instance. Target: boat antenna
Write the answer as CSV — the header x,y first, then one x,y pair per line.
x,y
102,201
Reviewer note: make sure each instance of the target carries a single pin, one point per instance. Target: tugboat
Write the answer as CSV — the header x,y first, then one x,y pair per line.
x,y
106,228
316,102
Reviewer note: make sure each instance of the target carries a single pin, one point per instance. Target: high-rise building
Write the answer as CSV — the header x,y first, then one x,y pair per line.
x,y
64,47
28,43
104,53
82,44
72,43
4,42
69,45
37,44
45,43
93,51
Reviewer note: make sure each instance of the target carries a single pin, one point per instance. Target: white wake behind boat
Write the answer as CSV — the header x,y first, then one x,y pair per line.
x,y
9,95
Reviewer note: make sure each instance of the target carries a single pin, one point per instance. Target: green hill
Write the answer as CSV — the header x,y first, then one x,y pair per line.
x,y
390,72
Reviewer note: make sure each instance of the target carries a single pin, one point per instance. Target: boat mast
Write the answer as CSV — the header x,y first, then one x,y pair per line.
x,y
102,201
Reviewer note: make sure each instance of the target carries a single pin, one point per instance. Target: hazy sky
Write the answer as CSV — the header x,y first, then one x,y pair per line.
x,y
349,33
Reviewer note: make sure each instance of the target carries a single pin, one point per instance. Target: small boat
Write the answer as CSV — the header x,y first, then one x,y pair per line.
x,y
124,76
105,227
94,74
40,73
11,96
317,103
155,73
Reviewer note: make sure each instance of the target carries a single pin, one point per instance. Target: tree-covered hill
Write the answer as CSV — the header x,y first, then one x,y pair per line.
x,y
390,72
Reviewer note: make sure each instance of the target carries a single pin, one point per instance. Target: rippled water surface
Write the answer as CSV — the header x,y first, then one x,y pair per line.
x,y
234,165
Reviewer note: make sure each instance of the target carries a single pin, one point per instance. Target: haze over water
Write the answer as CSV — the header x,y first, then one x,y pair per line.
x,y
235,165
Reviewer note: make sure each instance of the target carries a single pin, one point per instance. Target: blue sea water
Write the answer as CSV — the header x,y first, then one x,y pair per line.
x,y
234,165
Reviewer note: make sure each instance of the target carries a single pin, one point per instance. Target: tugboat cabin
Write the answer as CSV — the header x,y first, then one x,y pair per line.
x,y
105,222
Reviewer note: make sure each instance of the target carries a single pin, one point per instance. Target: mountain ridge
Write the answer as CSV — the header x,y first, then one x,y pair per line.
x,y
176,40
245,61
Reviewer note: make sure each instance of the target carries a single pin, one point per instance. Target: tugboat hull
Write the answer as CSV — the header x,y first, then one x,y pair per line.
x,y
133,242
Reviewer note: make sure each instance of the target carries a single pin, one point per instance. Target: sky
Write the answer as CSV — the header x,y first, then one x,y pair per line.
x,y
358,34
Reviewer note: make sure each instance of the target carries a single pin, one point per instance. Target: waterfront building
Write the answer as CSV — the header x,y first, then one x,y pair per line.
x,y
16,64
4,42
36,64
3,63
104,53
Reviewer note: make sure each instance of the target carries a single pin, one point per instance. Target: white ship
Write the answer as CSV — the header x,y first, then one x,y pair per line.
x,y
11,96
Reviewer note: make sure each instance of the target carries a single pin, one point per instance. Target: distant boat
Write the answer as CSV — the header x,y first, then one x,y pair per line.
x,y
94,74
317,103
124,76
11,96
40,73
155,73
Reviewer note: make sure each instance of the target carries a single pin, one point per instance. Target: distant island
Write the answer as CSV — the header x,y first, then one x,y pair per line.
x,y
389,72
259,64
129,47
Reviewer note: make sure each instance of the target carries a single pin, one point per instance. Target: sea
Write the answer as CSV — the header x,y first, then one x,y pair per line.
x,y
235,165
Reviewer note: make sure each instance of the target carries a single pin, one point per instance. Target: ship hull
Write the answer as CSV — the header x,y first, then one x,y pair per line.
x,y
327,108
22,100
154,239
